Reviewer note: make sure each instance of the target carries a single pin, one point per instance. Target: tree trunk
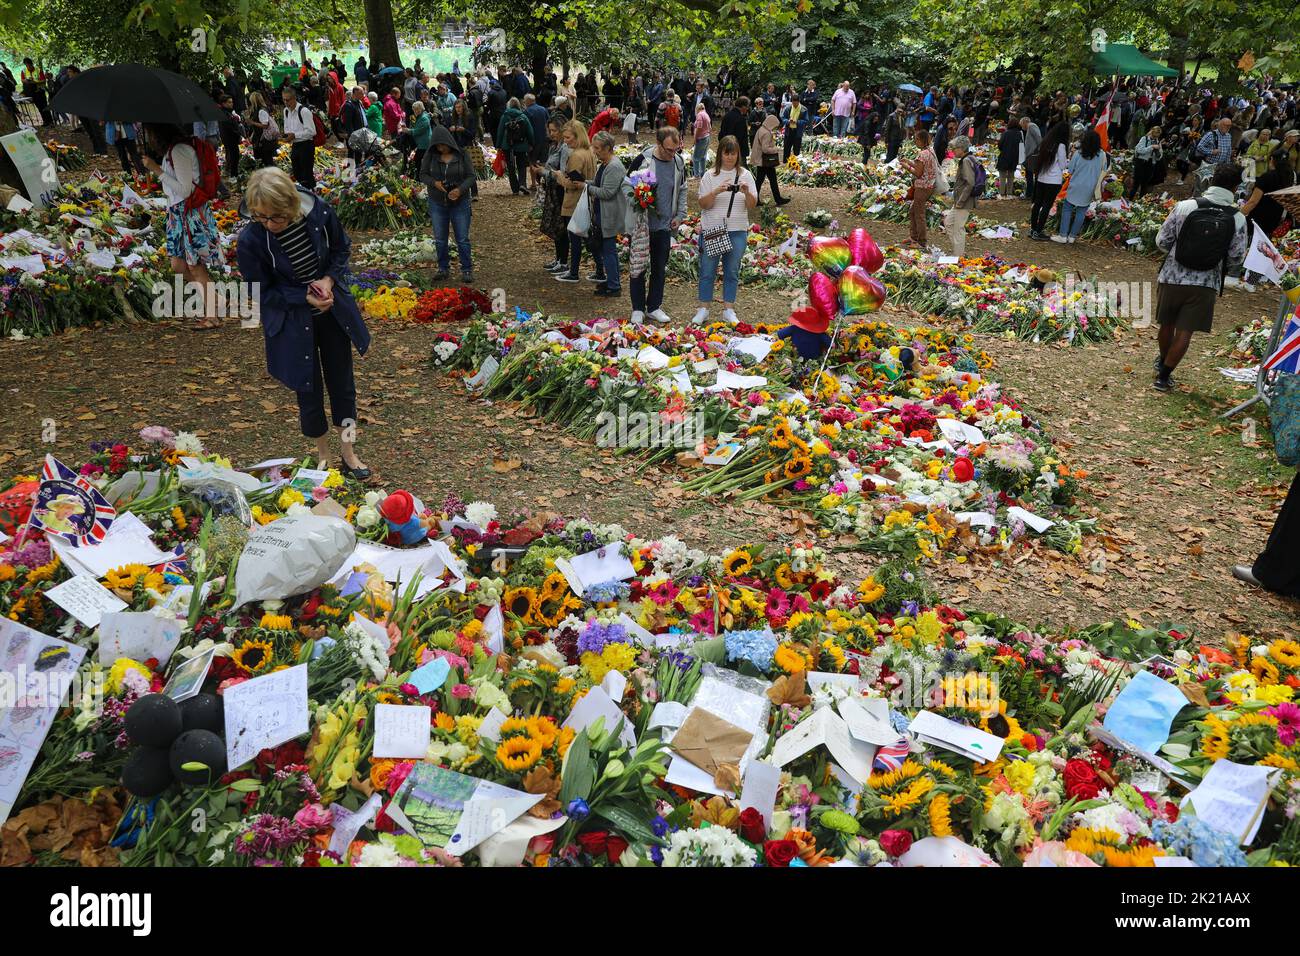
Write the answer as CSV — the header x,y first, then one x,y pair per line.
x,y
381,34
1177,52
302,51
539,62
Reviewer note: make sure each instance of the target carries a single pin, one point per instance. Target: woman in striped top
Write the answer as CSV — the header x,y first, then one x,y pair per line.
x,y
294,254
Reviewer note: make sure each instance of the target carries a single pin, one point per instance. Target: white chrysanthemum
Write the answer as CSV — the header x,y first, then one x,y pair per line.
x,y
188,443
482,513
715,846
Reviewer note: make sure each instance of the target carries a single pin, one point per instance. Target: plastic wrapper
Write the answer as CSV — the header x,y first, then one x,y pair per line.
x,y
290,556
222,497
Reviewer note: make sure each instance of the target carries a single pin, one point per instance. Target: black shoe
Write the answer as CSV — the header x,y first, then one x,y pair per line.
x,y
360,474
603,292
467,278
566,277
783,200
1163,385
1160,360
441,275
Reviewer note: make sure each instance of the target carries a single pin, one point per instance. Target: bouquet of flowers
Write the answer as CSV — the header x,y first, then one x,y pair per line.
x,y
644,187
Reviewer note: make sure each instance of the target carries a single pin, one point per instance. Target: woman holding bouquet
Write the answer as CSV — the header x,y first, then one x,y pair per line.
x,y
295,253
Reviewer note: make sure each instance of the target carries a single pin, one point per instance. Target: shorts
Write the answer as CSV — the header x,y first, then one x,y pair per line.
x,y
1188,308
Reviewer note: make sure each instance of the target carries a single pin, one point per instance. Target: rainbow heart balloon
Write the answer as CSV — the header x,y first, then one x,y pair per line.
x,y
864,251
860,291
830,254
824,295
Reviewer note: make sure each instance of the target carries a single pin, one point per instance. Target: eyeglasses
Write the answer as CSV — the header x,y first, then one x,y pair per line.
x,y
268,220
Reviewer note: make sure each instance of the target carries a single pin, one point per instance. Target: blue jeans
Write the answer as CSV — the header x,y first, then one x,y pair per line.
x,y
730,269
609,254
457,216
660,242
1072,218
699,158
841,125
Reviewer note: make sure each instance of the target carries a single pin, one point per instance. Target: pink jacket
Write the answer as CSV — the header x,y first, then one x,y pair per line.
x,y
394,116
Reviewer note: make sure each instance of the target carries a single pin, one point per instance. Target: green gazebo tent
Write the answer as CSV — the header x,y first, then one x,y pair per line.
x,y
1124,59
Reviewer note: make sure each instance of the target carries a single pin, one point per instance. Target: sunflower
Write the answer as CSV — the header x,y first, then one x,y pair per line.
x,y
444,721
1216,743
522,602
129,575
554,586
513,725
737,563
1265,671
1286,653
940,815
789,659
253,656
784,576
870,591
276,622
518,754
544,731
781,435
798,466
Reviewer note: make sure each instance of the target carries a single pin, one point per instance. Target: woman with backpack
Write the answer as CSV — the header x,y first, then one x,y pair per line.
x,y
513,136
188,171
266,131
295,253
1087,166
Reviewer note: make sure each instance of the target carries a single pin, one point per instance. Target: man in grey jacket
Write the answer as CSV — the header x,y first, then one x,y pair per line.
x,y
611,210
1033,137
668,212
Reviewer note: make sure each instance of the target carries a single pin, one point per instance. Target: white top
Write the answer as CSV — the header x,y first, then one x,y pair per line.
x,y
1055,173
272,127
180,173
299,124
712,218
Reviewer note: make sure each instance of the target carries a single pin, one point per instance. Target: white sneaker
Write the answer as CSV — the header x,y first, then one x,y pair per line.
x,y
660,316
1072,238
701,314
729,316
1231,282
638,318
1059,238
1248,286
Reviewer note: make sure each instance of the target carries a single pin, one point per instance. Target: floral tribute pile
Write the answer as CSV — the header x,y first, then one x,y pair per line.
x,y
377,198
616,693
900,444
990,294
92,255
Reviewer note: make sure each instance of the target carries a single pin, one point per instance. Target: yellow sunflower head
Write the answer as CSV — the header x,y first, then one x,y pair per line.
x,y
738,562
254,656
520,753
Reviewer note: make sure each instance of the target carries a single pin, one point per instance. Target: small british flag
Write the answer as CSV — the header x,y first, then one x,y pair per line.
x,y
70,506
891,757
1286,357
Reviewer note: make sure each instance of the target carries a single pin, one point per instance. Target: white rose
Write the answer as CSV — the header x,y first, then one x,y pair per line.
x,y
367,517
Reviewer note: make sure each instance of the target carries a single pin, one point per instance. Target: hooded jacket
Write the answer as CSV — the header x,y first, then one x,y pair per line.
x,y
456,173
287,323
764,141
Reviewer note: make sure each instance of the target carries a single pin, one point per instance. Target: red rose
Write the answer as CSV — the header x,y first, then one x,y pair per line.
x,y
752,827
614,848
963,470
895,842
1081,780
779,852
398,507
594,842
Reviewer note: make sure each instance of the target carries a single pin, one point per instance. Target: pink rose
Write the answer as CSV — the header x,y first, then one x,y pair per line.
x,y
313,816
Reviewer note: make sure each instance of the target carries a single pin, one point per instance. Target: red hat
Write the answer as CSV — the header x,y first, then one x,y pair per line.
x,y
810,320
398,507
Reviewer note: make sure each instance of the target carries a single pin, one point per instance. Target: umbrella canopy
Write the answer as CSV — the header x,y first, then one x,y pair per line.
x,y
1289,198
1124,59
910,88
390,71
131,93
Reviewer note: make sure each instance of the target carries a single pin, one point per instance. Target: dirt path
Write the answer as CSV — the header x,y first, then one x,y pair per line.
x,y
1179,497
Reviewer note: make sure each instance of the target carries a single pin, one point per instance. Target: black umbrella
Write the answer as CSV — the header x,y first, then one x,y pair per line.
x,y
130,93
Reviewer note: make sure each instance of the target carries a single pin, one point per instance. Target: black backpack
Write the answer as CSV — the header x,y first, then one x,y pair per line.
x,y
1206,236
516,131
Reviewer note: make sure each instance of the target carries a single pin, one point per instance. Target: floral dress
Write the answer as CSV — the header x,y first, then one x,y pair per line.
x,y
193,235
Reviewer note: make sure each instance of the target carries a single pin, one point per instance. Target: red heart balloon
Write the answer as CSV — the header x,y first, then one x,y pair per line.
x,y
824,294
865,251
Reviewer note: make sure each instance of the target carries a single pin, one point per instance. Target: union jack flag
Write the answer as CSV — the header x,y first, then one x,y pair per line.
x,y
70,506
891,757
1287,356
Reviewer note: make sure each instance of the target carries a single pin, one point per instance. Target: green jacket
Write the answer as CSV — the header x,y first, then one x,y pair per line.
x,y
375,119
422,131
525,142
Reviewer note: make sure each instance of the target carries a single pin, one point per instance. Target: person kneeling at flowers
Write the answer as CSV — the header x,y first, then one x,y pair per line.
x,y
295,254
449,174
807,330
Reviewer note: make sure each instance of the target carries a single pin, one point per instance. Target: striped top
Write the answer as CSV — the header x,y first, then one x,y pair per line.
x,y
302,254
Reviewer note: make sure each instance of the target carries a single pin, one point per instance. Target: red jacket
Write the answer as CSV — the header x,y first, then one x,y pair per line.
x,y
603,121
337,96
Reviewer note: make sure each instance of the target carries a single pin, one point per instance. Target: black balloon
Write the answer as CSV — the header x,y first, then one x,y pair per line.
x,y
201,747
203,712
153,721
147,772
